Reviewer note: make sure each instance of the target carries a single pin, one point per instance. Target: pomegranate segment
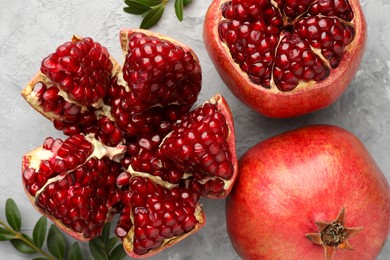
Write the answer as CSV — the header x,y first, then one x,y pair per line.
x,y
160,75
73,182
159,72
198,143
70,116
326,34
122,123
286,58
296,61
82,68
156,214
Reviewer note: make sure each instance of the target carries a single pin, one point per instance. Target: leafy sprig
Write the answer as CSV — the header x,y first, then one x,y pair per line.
x,y
102,247
106,247
152,10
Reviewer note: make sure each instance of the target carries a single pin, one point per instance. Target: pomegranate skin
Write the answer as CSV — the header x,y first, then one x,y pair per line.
x,y
272,102
289,181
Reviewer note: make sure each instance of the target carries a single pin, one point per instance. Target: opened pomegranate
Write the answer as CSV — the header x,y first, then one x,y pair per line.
x,y
124,124
286,58
311,193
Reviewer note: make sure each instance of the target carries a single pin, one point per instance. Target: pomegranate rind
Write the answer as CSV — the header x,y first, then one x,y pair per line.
x,y
323,169
224,107
272,102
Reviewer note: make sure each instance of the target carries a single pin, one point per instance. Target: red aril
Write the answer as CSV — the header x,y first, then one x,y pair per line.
x,y
286,58
123,123
311,193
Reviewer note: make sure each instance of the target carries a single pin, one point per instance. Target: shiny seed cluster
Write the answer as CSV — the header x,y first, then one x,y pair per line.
x,y
82,68
263,36
159,213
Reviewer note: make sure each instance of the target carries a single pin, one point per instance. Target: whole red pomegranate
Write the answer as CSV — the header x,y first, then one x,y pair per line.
x,y
311,193
136,147
286,58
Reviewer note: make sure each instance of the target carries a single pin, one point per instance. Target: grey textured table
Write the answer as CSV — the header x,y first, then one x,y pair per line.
x,y
29,30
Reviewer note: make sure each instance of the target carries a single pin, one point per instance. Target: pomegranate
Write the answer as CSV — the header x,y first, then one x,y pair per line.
x,y
135,146
286,58
311,193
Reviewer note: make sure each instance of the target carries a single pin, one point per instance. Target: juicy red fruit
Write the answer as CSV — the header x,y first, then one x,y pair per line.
x,y
288,42
159,213
71,185
80,67
160,72
198,144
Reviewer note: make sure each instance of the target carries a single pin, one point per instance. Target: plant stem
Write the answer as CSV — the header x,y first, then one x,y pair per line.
x,y
20,236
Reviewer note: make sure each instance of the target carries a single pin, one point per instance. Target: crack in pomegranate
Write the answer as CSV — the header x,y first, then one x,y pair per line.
x,y
286,43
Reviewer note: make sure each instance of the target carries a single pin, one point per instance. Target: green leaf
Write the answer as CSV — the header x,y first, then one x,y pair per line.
x,y
136,8
110,243
21,246
56,242
39,232
118,253
41,258
6,235
179,6
152,17
187,2
106,232
12,214
96,247
75,252
149,3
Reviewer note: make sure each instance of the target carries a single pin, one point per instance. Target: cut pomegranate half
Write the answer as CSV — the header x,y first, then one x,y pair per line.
x,y
118,158
286,58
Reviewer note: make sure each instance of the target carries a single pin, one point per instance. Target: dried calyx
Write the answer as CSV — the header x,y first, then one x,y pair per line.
x,y
333,235
124,123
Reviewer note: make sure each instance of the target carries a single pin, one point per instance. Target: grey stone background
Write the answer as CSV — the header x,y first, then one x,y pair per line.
x,y
29,30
